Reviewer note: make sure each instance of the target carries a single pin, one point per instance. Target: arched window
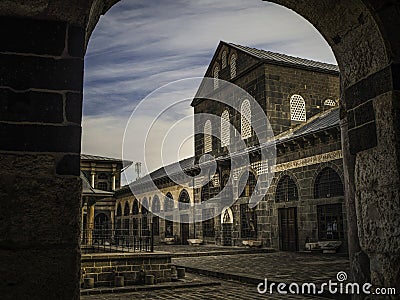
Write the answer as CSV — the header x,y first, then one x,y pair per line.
x,y
245,119
126,209
328,184
207,137
155,205
297,109
216,77
102,186
225,132
286,190
145,205
135,208
168,202
183,198
119,210
329,102
223,59
233,66
249,184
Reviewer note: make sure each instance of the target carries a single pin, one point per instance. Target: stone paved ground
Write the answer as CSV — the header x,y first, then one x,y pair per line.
x,y
227,290
278,266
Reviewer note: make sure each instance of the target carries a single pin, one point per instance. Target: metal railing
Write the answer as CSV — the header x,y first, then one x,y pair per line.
x,y
110,239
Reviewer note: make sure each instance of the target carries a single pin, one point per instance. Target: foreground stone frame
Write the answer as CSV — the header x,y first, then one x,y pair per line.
x,y
41,75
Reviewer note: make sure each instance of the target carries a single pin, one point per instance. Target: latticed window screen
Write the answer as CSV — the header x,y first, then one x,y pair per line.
x,y
261,167
102,186
208,224
223,59
328,184
286,190
233,66
329,102
207,137
245,119
248,221
216,77
330,222
297,108
225,132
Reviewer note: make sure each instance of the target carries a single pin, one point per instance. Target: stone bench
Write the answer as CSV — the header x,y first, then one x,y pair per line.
x,y
251,243
195,241
168,241
324,246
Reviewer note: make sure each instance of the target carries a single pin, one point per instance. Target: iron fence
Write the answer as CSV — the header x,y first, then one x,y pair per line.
x,y
111,238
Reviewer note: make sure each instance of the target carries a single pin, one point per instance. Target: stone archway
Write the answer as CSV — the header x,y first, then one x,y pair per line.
x,y
44,112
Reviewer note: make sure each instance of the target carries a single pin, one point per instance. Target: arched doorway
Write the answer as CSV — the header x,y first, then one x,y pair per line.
x,y
227,226
361,33
184,200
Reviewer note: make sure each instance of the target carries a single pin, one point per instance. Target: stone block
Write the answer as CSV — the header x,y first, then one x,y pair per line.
x,y
32,36
40,138
31,106
41,72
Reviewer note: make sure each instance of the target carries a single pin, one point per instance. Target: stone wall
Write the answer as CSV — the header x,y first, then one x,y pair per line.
x,y
104,267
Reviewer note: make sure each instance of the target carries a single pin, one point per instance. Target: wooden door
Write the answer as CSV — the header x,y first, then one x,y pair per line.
x,y
184,229
288,229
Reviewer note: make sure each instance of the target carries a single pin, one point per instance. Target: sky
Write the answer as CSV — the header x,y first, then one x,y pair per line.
x,y
140,46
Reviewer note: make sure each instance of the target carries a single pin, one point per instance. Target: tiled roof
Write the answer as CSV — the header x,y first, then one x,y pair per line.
x,y
320,122
90,157
284,59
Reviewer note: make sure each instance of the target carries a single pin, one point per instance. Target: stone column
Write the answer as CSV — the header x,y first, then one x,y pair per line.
x,y
90,222
41,75
93,175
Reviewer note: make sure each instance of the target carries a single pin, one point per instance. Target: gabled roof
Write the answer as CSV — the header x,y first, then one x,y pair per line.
x,y
283,59
89,157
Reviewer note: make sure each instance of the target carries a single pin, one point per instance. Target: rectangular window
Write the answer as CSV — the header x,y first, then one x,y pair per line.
x,y
248,221
330,222
169,228
156,225
208,224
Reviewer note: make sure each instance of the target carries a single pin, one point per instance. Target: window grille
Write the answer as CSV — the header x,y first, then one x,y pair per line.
x,y
248,221
297,108
169,228
207,137
245,119
286,190
225,132
208,224
328,184
261,167
102,176
223,59
329,102
233,66
102,186
250,185
330,222
216,77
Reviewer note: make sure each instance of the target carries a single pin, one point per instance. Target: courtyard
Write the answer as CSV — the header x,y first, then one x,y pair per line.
x,y
233,273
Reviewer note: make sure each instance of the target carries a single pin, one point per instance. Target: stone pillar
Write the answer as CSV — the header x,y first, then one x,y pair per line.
x,y
93,176
113,182
41,75
90,223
